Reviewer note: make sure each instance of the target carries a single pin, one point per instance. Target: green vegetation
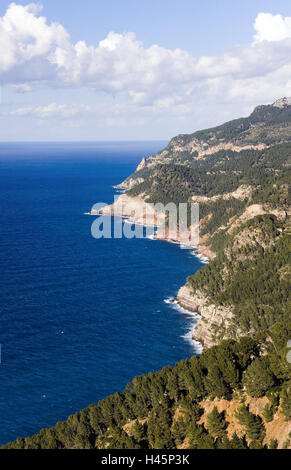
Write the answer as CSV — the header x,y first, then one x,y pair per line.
x,y
220,173
275,128
286,403
269,413
145,414
267,125
253,424
216,423
266,173
250,276
273,444
258,378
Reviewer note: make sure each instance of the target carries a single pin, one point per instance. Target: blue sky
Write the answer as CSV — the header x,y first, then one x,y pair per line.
x,y
127,70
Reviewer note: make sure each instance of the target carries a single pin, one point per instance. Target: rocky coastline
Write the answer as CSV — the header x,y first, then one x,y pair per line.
x,y
137,210
215,321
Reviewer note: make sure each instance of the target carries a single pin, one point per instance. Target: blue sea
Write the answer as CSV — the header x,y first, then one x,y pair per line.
x,y
80,317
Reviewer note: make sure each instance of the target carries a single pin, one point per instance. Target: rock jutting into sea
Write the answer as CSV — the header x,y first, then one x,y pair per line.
x,y
215,320
137,211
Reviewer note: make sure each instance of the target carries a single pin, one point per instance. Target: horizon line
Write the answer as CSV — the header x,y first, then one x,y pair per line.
x,y
78,141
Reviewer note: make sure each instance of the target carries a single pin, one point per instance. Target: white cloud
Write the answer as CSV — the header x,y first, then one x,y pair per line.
x,y
272,27
51,110
25,36
36,53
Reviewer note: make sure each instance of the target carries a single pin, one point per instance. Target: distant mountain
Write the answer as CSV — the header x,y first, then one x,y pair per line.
x,y
267,126
240,174
237,394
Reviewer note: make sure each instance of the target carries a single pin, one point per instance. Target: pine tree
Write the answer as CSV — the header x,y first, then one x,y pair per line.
x,y
200,439
286,403
268,413
138,430
274,398
242,415
273,444
258,377
255,429
179,431
237,443
256,444
253,423
216,422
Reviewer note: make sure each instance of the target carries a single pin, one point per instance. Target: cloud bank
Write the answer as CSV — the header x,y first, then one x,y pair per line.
x,y
35,53
51,110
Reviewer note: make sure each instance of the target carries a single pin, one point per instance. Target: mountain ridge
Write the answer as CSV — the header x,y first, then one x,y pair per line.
x,y
237,394
267,125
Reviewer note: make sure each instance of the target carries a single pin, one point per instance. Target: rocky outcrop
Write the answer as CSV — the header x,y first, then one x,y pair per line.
x,y
187,300
278,428
253,211
197,150
282,102
141,165
129,183
136,209
204,149
205,250
215,321
242,192
248,133
188,237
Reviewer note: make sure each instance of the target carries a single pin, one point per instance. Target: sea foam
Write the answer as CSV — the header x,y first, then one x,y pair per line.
x,y
188,336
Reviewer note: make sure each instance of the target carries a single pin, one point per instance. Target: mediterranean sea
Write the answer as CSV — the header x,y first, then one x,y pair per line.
x,y
80,317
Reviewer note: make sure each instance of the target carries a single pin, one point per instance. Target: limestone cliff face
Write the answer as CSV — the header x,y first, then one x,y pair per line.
x,y
136,209
130,183
205,148
215,322
141,165
282,102
197,150
188,237
242,192
188,301
254,132
255,210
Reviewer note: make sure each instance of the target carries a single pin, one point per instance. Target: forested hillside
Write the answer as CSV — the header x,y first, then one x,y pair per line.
x,y
266,127
251,275
237,394
166,410
244,203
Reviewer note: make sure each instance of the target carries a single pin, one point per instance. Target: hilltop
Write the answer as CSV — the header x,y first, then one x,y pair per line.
x,y
268,125
244,199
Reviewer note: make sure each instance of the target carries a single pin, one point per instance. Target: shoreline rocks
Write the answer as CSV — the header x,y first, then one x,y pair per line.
x,y
135,209
215,320
212,318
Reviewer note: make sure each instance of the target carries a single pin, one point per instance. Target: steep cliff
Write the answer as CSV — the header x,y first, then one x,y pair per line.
x,y
214,318
237,394
239,174
267,126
